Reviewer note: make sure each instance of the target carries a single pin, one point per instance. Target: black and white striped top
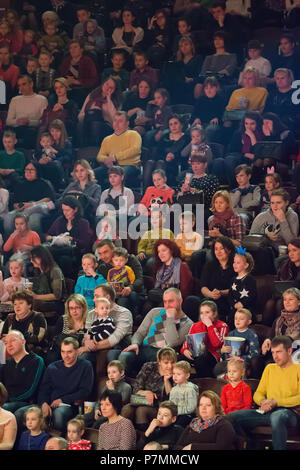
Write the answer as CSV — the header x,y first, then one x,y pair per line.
x,y
102,328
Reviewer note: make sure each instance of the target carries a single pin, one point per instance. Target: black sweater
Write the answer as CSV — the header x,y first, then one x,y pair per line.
x,y
218,437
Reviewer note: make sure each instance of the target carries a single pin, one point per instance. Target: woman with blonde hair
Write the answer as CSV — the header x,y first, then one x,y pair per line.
x,y
224,220
72,323
210,430
190,64
85,187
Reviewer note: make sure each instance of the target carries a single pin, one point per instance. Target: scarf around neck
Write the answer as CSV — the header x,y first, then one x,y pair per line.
x,y
169,276
290,320
221,218
198,425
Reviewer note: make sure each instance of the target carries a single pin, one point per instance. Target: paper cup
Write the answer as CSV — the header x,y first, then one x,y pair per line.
x,y
89,406
282,250
237,345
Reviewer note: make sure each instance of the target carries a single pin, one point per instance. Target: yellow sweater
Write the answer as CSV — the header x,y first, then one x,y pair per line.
x,y
125,147
257,98
149,238
281,384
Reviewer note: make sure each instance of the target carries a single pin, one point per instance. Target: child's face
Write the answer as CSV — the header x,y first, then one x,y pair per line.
x,y
114,374
196,138
44,60
117,61
183,28
156,219
242,178
239,264
115,180
32,421
90,27
50,29
290,302
9,143
158,180
254,53
4,29
31,67
186,224
179,376
270,184
119,261
46,141
241,321
206,311
159,100
74,434
210,90
198,167
102,309
165,417
20,225
140,62
88,264
28,37
15,269
250,124
83,15
234,372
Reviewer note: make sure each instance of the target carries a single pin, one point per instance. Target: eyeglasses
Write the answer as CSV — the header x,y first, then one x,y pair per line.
x,y
30,170
75,308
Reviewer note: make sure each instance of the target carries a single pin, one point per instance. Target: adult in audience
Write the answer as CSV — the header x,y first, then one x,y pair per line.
x,y
64,384
97,113
32,324
135,103
162,326
34,196
8,424
117,433
287,57
72,323
123,148
221,62
131,296
154,382
127,36
21,374
48,281
57,443
79,71
9,72
276,396
25,112
210,430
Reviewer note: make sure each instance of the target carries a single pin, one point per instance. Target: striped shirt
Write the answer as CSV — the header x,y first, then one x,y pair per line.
x,y
102,328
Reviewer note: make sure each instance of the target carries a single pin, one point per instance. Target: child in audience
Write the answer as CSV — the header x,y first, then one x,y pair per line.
x,y
157,115
50,168
61,141
164,428
87,283
142,69
184,394
52,40
34,438
4,197
246,197
75,432
272,181
197,145
116,381
15,281
31,67
29,48
243,291
250,349
150,237
104,326
12,161
159,193
188,240
215,330
261,64
120,275
22,239
44,74
236,395
93,38
83,14
5,37
117,71
184,29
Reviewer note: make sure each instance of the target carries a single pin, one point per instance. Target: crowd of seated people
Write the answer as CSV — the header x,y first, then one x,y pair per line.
x,y
149,199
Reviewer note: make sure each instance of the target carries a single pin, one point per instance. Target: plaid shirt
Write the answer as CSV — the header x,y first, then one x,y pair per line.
x,y
236,227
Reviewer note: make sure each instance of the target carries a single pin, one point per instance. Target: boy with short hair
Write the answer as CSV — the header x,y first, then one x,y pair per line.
x,y
87,283
12,162
164,428
104,325
142,69
120,275
31,66
184,394
51,41
246,197
117,71
150,237
261,64
83,14
251,348
116,381
44,75
188,240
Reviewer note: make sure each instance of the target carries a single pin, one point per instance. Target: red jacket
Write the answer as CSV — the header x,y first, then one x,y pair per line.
x,y
10,75
236,398
88,75
186,280
214,338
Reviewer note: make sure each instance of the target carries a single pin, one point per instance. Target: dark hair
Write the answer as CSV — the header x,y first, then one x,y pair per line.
x,y
246,168
120,251
27,77
254,44
83,7
115,398
3,394
255,116
116,96
146,79
289,37
295,242
104,243
173,247
44,254
109,290
176,116
23,294
169,405
227,244
278,125
36,166
116,170
74,203
163,92
219,3
286,342
282,193
223,35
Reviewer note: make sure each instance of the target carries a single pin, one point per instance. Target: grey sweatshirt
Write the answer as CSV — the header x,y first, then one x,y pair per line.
x,y
245,202
286,231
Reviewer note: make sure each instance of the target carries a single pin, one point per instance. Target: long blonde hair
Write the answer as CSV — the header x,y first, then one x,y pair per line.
x,y
181,41
87,166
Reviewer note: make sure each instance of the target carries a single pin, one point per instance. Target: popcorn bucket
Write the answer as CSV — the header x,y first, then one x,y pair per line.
x,y
89,406
237,345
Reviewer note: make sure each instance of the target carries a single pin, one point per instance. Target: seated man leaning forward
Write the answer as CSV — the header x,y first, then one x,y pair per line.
x,y
277,395
122,148
161,327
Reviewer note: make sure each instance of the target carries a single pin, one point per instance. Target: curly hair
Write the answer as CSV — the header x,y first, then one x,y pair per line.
x,y
173,247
